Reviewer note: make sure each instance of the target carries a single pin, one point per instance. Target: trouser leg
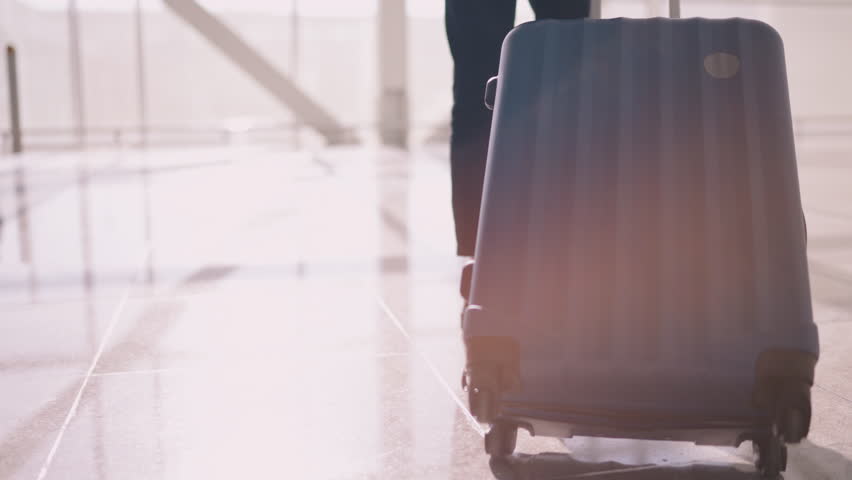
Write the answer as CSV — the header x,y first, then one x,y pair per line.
x,y
475,31
560,9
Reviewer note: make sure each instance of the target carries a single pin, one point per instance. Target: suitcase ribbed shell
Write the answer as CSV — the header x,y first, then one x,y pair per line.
x,y
641,233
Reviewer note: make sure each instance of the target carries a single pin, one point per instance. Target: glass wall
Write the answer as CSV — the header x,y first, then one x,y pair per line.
x,y
141,65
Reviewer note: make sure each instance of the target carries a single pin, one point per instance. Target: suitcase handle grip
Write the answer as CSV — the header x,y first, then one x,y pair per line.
x,y
491,93
595,12
595,9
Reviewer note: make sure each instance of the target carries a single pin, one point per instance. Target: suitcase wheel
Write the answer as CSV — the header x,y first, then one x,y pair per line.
x,y
501,439
771,454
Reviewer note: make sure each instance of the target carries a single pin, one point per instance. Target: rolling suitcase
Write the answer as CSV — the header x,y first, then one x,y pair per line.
x,y
640,270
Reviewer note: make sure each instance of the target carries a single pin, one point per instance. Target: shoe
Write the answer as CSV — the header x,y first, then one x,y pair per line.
x,y
464,287
466,279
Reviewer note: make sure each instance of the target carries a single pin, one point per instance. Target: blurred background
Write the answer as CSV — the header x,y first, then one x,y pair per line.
x,y
197,282
106,72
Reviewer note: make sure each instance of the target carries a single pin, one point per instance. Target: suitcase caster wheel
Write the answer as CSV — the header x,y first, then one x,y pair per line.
x,y
500,441
771,456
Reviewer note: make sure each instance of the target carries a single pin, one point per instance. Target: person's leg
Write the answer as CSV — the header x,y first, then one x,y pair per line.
x,y
475,31
560,9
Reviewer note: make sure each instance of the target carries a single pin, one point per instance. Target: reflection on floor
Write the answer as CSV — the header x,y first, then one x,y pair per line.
x,y
247,312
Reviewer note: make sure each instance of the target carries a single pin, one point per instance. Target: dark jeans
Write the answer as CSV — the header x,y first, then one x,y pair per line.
x,y
475,30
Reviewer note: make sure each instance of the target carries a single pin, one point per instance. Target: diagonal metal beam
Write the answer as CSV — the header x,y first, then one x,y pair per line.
x,y
260,69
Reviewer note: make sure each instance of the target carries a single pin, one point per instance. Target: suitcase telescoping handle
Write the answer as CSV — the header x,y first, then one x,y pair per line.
x,y
595,12
674,9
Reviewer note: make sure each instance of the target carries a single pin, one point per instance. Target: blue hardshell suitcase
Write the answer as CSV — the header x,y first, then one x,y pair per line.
x,y
641,269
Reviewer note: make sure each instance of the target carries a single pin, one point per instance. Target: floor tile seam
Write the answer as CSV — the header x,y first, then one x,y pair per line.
x,y
832,392
117,313
151,297
431,366
211,370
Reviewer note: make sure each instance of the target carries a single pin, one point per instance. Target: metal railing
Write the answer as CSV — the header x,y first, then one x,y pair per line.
x,y
66,138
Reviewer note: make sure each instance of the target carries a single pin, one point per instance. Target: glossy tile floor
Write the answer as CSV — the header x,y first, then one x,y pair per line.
x,y
247,312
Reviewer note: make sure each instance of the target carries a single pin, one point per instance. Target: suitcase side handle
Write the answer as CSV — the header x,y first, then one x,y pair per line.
x,y
491,93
